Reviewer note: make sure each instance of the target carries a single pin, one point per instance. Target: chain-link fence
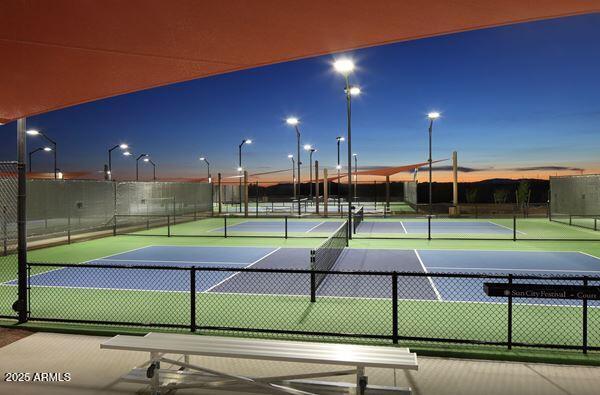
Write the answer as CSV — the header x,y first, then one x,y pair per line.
x,y
8,236
383,306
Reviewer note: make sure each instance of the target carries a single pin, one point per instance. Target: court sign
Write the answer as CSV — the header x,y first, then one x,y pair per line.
x,y
542,291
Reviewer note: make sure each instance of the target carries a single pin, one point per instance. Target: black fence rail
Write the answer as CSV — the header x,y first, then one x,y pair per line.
x,y
381,306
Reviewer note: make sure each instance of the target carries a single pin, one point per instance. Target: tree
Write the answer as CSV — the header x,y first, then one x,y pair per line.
x,y
471,195
500,196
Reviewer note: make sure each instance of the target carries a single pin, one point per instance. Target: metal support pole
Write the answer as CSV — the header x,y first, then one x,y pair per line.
x,y
395,308
325,193
299,163
193,299
219,194
317,184
20,306
430,170
245,193
584,325
349,113
510,312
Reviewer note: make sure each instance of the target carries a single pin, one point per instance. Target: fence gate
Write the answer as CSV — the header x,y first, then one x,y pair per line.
x,y
8,236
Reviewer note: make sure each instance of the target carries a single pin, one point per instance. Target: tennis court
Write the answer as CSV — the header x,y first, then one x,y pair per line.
x,y
351,259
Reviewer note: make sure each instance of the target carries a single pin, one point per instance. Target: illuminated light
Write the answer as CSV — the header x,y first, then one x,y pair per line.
x,y
240,169
47,149
123,146
292,121
32,132
354,91
108,172
248,141
290,156
203,158
433,115
354,154
340,138
126,153
146,160
59,175
343,66
307,147
339,167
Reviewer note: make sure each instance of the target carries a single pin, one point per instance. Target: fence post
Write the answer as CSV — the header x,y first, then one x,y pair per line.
x,y
514,228
193,299
168,226
225,227
286,227
4,230
115,225
313,279
395,308
429,227
510,312
585,319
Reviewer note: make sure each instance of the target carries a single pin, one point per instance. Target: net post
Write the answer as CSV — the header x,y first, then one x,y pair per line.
x,y
510,313
313,278
584,325
429,227
286,226
595,223
514,228
193,299
395,307
225,227
570,219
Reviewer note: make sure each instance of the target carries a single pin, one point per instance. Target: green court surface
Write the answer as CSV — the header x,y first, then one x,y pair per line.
x,y
544,324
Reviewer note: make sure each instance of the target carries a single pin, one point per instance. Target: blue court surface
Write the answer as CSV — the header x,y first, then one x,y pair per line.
x,y
279,226
446,227
361,286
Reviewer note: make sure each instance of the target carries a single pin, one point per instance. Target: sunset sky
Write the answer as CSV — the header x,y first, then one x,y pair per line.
x,y
516,101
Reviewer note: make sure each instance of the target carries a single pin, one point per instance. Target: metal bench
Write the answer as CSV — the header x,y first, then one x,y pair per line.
x,y
183,374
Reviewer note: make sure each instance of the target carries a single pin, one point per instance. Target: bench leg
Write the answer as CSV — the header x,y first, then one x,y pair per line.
x,y
361,380
155,377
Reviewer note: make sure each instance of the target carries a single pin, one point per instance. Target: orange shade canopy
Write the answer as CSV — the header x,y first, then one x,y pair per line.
x,y
58,53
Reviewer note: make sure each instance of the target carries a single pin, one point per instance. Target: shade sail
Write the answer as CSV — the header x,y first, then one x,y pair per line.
x,y
58,53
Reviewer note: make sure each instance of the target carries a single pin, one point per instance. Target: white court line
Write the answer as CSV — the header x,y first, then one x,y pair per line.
x,y
159,261
236,273
81,263
403,228
513,269
437,294
316,226
590,255
505,227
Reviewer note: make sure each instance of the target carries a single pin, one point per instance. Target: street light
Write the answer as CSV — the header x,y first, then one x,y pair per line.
x,y
124,148
46,149
432,116
293,121
153,168
137,161
355,175
338,167
208,168
245,141
33,132
311,150
290,156
345,66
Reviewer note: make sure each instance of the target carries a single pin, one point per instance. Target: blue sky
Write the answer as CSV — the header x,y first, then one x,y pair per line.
x,y
525,95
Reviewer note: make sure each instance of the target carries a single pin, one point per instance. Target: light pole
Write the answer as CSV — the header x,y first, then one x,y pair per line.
x,y
38,133
311,150
345,67
46,149
338,167
294,122
207,168
355,176
137,161
293,173
124,147
432,116
153,167
240,168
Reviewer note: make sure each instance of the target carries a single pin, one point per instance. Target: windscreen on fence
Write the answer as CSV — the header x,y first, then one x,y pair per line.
x,y
575,200
62,208
410,193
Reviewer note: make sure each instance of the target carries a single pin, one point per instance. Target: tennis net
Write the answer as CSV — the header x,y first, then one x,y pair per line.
x,y
359,216
326,255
